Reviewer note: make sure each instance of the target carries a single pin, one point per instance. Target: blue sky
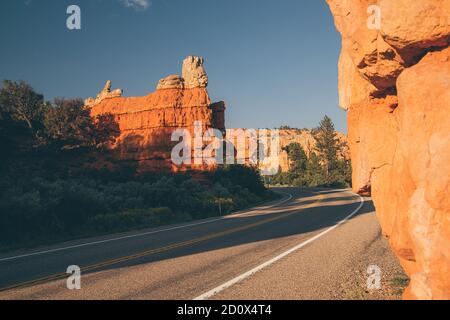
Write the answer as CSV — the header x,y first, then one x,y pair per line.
x,y
273,62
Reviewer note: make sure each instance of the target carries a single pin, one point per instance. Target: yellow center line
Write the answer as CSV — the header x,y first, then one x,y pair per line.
x,y
142,254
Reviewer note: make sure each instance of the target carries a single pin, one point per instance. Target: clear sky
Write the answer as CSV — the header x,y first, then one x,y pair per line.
x,y
273,62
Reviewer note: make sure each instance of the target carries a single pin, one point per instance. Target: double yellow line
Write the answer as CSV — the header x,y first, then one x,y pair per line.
x,y
107,263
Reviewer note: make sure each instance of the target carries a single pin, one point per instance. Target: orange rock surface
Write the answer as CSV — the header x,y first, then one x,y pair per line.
x,y
147,123
395,83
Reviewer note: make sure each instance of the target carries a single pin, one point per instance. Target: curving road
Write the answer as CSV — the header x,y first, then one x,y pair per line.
x,y
288,249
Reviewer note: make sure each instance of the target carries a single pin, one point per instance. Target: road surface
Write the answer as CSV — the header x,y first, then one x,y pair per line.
x,y
293,248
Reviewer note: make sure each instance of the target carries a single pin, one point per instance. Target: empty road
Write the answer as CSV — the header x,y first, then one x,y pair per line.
x,y
293,248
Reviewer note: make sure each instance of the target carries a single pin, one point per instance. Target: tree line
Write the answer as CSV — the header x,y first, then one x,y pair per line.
x,y
29,123
49,191
323,167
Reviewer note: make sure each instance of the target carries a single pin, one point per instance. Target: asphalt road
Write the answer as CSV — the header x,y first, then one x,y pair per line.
x,y
283,250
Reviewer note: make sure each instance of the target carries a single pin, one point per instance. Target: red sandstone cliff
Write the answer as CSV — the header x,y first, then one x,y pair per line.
x,y
395,83
146,123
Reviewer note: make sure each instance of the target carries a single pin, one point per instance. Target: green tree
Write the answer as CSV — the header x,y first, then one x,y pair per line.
x,y
285,127
222,203
327,145
299,161
69,125
22,104
106,130
315,174
246,177
344,172
21,114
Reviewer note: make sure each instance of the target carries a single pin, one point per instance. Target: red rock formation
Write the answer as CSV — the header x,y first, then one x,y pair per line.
x,y
395,83
147,123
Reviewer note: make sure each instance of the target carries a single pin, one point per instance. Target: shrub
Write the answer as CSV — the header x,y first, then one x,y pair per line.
x,y
130,219
243,176
49,191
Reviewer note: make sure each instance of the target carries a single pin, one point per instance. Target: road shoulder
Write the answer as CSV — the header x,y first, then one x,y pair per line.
x,y
340,260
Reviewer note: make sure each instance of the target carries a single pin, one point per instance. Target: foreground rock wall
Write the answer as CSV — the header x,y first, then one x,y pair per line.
x,y
146,123
394,80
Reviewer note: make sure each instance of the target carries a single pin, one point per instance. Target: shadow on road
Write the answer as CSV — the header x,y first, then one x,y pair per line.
x,y
325,214
279,222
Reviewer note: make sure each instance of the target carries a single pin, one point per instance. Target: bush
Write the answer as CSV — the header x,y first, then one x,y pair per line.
x,y
130,219
56,206
48,190
243,176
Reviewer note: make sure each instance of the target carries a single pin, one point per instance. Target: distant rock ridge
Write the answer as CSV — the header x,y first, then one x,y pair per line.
x,y
304,137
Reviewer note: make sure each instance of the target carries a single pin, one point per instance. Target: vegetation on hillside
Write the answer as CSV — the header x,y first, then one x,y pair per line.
x,y
323,167
47,192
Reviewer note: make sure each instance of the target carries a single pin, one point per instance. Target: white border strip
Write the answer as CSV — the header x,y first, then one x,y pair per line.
x,y
289,197
249,273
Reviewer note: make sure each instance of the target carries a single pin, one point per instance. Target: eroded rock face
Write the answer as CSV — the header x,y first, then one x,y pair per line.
x,y
395,83
278,162
147,123
306,140
106,93
194,74
170,82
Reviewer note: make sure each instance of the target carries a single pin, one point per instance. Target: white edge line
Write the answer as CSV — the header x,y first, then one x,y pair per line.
x,y
144,233
251,272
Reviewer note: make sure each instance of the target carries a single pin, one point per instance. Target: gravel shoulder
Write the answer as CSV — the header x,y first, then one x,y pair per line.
x,y
334,267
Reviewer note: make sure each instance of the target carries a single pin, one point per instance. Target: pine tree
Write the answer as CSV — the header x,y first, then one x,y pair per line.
x,y
324,167
327,147
315,175
297,156
298,160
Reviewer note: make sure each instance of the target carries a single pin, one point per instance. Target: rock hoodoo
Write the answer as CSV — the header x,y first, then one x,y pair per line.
x,y
146,123
395,83
194,74
106,93
170,82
